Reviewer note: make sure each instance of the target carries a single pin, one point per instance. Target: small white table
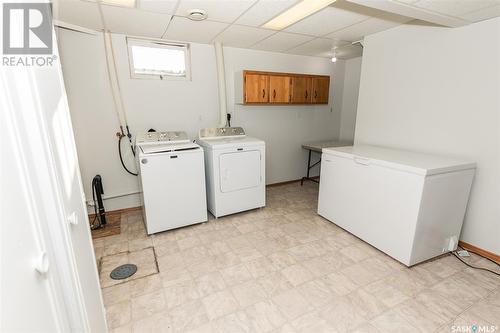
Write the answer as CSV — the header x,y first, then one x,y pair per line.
x,y
317,146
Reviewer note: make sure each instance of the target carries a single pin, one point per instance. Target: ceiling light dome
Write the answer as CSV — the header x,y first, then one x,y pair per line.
x,y
197,15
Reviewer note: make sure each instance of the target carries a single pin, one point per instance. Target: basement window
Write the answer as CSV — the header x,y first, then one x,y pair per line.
x,y
158,60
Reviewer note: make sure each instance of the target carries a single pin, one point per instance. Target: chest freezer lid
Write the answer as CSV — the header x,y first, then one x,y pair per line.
x,y
417,163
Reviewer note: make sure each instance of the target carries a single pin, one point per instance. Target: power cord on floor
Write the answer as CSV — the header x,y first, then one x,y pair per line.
x,y
475,267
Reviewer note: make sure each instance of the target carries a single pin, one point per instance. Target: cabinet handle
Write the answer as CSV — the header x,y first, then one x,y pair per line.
x,y
306,94
274,93
315,94
263,93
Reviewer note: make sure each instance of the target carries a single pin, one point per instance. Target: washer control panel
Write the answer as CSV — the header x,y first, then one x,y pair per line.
x,y
217,132
161,137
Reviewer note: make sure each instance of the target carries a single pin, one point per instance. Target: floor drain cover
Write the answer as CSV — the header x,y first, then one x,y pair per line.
x,y
123,271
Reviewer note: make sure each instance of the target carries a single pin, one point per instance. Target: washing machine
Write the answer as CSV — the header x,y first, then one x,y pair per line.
x,y
172,176
235,170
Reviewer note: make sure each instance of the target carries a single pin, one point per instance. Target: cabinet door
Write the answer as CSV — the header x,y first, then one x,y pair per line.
x,y
320,89
301,90
256,88
279,89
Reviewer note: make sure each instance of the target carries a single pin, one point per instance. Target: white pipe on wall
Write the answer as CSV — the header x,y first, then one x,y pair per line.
x,y
221,79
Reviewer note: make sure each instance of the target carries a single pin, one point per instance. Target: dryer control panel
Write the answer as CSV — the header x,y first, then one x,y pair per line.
x,y
161,137
217,132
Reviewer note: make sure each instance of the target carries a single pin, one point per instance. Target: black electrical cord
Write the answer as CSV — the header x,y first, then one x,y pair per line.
x,y
475,267
478,254
129,136
121,158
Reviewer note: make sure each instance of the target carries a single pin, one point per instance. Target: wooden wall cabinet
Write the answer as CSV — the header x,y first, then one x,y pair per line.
x,y
279,88
255,87
320,90
301,90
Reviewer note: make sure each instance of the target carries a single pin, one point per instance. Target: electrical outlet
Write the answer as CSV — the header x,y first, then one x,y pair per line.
x,y
452,243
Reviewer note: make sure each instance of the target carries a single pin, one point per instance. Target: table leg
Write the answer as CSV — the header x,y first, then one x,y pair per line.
x,y
308,168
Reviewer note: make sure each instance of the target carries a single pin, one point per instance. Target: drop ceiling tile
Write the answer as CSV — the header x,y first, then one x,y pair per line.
x,y
184,29
222,11
281,41
359,30
319,47
81,13
264,10
135,22
483,14
158,6
455,7
242,36
325,21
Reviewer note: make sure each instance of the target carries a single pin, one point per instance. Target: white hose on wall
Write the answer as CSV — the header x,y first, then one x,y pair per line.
x,y
221,79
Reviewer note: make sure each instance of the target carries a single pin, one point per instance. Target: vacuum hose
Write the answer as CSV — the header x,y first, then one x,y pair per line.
x,y
99,211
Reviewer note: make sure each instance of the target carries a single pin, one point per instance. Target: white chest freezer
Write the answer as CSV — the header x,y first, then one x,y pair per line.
x,y
409,205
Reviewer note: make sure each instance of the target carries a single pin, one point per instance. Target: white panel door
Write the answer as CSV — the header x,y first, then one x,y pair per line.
x,y
44,212
28,301
239,170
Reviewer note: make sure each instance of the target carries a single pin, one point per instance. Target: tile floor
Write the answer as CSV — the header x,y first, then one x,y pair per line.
x,y
284,269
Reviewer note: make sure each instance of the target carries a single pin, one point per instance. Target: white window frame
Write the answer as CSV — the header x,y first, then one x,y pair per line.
x,y
163,45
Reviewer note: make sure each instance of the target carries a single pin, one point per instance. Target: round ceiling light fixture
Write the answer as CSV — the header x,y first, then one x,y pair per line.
x,y
197,15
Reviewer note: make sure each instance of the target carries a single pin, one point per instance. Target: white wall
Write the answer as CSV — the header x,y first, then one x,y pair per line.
x,y
437,90
350,98
186,105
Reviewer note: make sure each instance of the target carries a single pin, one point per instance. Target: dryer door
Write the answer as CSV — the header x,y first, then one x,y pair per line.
x,y
239,170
